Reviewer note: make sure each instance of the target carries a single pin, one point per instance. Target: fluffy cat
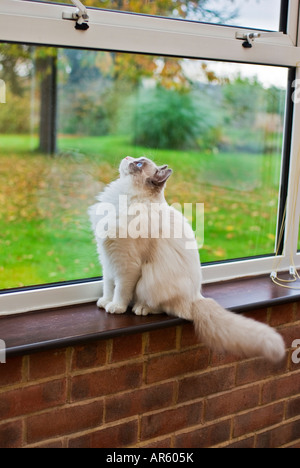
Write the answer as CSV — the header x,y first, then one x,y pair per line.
x,y
155,273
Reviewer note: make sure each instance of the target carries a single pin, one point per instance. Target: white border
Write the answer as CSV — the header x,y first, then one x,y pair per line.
x,y
40,23
47,298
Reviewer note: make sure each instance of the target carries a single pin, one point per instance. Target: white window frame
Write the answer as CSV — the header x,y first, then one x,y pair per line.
x,y
42,24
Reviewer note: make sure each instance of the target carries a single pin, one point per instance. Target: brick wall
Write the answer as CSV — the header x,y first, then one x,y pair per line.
x,y
157,389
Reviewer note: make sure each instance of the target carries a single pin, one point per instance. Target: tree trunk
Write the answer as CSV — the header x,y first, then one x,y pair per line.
x,y
48,108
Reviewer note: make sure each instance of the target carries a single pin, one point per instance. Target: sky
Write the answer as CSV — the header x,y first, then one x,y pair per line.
x,y
257,14
268,76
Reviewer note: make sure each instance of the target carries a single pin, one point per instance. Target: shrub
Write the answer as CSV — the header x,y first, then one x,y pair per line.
x,y
165,118
85,115
15,115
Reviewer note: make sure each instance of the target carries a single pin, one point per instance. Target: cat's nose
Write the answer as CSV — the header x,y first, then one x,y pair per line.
x,y
128,158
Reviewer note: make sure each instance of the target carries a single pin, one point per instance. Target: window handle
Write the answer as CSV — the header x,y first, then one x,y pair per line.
x,y
80,16
249,38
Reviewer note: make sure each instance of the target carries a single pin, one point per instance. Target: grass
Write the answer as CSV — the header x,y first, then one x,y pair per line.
x,y
45,234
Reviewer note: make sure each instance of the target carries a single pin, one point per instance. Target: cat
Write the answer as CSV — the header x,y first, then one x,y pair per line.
x,y
157,273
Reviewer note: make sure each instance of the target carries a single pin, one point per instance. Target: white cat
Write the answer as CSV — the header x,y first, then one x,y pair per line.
x,y
157,273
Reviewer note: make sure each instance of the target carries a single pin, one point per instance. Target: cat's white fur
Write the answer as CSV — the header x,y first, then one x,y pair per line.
x,y
156,275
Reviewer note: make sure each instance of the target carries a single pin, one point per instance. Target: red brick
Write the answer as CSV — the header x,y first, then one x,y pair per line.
x,y
56,444
282,314
290,334
119,436
244,443
107,381
257,369
11,434
204,437
297,311
206,383
139,401
164,443
166,422
48,363
293,408
282,387
33,398
258,419
11,372
294,445
275,438
162,340
260,315
220,359
188,336
126,347
90,355
178,363
64,421
232,402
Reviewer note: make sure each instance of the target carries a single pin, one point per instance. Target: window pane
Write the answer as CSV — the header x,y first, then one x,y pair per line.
x,y
258,14
218,125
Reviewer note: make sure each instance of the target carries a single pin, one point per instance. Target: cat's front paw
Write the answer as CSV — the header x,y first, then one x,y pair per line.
x,y
115,308
102,302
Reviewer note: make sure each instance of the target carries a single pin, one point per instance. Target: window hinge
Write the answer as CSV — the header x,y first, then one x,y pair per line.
x,y
80,16
249,38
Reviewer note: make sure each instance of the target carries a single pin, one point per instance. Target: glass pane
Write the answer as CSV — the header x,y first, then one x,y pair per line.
x,y
258,14
68,117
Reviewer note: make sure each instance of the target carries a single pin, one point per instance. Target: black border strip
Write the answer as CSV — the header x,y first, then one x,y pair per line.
x,y
286,159
284,13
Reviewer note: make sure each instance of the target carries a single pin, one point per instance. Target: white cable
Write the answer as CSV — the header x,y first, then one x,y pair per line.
x,y
293,270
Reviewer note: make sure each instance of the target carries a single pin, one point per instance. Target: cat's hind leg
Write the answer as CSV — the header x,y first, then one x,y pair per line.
x,y
139,309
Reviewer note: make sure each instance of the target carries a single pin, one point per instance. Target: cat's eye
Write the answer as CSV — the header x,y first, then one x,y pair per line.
x,y
139,164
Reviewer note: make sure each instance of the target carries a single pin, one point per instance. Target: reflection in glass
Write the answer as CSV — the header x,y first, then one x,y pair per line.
x,y
257,14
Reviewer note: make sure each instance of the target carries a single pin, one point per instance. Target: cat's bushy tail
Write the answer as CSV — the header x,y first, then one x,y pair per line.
x,y
225,331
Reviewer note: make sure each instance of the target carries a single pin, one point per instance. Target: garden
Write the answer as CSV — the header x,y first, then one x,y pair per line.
x,y
220,133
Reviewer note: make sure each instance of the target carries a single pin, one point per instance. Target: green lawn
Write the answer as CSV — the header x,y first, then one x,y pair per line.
x,y
45,234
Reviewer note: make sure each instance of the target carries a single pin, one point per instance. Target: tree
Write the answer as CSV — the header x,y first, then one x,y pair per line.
x,y
46,65
128,67
17,62
243,97
199,10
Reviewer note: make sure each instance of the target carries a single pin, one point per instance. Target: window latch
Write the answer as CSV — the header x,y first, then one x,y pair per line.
x,y
80,16
249,38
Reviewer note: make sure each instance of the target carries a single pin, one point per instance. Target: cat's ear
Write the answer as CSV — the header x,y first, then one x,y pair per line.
x,y
160,177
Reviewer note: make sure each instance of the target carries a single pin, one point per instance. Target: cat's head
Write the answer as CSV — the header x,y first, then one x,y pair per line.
x,y
144,172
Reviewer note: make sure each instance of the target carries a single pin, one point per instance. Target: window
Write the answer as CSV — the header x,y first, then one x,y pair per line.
x,y
219,126
78,103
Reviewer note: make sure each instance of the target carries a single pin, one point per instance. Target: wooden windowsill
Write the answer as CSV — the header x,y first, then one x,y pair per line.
x,y
68,326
